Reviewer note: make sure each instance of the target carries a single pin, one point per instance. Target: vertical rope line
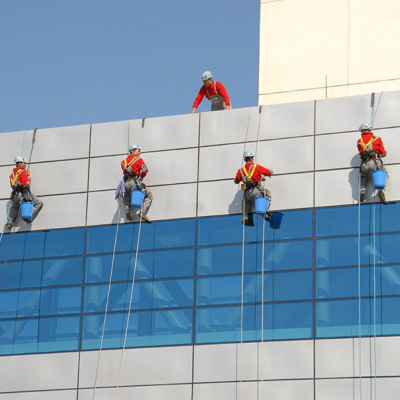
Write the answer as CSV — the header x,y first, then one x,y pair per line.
x,y
348,46
376,111
129,310
129,133
262,309
141,130
107,302
241,310
23,143
359,282
374,269
259,128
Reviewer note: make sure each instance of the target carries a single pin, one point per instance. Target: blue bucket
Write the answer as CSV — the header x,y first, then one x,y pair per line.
x,y
261,205
137,197
26,210
276,220
379,178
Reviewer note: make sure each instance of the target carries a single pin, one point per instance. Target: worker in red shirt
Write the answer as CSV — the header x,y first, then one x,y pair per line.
x,y
371,150
214,91
135,170
20,182
251,175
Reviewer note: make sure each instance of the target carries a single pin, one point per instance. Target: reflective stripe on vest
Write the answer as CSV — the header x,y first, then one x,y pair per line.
x,y
126,164
14,178
246,176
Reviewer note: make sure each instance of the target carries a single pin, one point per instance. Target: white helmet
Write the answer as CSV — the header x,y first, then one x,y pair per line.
x,y
365,126
205,76
19,159
248,153
134,146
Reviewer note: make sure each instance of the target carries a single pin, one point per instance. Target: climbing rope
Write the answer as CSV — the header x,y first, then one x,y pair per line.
x,y
107,302
262,309
129,309
258,131
141,130
374,312
373,116
359,282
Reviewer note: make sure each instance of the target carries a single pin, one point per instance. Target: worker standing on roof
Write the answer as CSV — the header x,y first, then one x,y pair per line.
x,y
214,91
371,150
20,182
251,175
135,170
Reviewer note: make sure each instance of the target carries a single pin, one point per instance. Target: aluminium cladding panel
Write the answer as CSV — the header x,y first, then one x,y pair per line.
x,y
287,120
340,187
342,114
387,114
339,150
65,177
63,211
44,395
15,144
291,191
146,366
112,137
61,143
276,390
170,202
168,133
283,156
349,389
281,360
230,126
341,357
39,372
159,392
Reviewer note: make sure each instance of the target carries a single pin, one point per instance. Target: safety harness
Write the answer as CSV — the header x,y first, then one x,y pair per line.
x,y
247,177
369,153
15,185
128,175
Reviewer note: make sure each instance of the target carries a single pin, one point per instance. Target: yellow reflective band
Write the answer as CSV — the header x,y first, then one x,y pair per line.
x,y
365,146
14,179
248,176
126,164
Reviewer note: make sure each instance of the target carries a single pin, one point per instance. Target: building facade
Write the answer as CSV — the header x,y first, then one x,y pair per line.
x,y
193,306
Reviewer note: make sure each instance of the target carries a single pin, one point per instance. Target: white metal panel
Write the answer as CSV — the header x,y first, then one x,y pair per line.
x,y
387,355
148,366
337,151
220,162
346,389
390,138
230,126
103,208
112,137
387,109
287,120
342,114
15,144
159,392
59,177
166,133
5,189
61,143
39,372
46,395
286,155
166,167
105,172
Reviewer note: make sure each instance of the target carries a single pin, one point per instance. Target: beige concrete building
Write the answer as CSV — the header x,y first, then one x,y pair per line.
x,y
317,49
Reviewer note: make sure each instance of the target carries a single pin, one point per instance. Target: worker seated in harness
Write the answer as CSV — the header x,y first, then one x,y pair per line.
x,y
135,170
20,182
252,175
371,150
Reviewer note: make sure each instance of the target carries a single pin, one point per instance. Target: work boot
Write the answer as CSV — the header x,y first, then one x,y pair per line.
x,y
362,196
244,220
128,213
9,224
382,197
27,220
144,217
267,217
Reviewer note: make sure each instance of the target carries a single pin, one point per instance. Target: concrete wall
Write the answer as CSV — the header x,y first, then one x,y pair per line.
x,y
318,49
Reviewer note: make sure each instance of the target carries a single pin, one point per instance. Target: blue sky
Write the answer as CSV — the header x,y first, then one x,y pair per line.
x,y
110,60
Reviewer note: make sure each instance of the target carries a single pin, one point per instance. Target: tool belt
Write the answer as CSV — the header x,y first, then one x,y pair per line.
x,y
251,185
128,176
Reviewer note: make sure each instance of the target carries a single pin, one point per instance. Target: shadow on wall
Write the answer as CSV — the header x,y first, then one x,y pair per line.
x,y
354,178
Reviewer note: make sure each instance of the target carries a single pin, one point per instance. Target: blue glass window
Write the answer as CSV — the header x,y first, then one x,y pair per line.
x,y
12,246
59,301
62,271
390,315
11,275
178,233
8,304
25,335
34,246
31,274
64,242
293,285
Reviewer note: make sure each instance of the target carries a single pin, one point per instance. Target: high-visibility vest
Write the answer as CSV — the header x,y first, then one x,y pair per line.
x,y
130,163
247,176
366,145
14,177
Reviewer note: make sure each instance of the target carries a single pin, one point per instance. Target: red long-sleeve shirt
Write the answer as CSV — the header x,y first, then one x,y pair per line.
x,y
377,144
23,177
260,170
136,167
203,92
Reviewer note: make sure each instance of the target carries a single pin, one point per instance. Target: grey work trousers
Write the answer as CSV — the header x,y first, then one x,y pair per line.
x,y
16,198
131,184
250,194
366,168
